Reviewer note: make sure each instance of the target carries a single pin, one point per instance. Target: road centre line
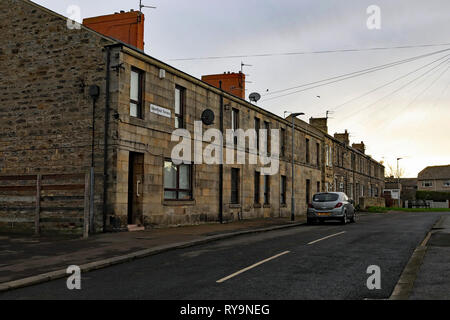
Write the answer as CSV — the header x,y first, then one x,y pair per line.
x,y
327,237
251,267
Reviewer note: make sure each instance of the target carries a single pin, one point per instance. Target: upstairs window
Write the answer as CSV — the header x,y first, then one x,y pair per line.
x,y
136,92
257,127
427,183
307,149
234,123
179,107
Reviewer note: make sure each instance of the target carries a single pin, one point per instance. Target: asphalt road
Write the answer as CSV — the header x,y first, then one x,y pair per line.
x,y
326,261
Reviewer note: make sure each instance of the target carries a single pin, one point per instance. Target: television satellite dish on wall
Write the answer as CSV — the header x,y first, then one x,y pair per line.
x,y
254,97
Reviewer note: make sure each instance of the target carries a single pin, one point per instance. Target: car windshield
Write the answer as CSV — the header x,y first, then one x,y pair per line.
x,y
325,197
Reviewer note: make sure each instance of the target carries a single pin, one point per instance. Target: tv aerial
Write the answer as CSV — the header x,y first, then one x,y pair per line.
x,y
144,6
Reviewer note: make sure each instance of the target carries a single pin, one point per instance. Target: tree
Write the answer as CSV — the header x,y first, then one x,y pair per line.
x,y
392,172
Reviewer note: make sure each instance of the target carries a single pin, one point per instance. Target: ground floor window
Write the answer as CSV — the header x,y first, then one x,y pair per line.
x,y
235,178
257,189
283,190
266,189
177,181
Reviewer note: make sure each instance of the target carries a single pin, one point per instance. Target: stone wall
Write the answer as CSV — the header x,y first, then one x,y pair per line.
x,y
45,109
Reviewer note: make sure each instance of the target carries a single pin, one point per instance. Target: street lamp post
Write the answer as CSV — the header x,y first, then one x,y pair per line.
x,y
398,183
293,115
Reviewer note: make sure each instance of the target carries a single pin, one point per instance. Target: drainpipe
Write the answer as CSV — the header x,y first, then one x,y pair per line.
x,y
105,144
94,92
221,163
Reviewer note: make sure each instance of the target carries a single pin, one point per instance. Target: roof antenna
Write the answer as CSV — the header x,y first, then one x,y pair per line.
x,y
144,6
329,112
244,65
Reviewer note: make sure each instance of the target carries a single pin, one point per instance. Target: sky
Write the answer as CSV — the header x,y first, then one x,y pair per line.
x,y
399,112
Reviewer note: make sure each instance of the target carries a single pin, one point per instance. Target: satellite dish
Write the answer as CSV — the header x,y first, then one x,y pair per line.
x,y
254,97
208,117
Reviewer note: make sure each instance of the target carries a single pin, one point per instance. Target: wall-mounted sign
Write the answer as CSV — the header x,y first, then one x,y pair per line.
x,y
160,111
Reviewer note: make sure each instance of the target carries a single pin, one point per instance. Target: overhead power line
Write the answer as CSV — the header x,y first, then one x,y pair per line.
x,y
355,112
386,84
348,76
260,55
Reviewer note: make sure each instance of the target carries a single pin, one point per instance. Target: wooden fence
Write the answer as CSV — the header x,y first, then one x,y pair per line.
x,y
48,198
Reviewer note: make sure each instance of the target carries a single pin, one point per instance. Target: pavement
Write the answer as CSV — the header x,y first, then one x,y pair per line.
x,y
30,260
433,279
327,261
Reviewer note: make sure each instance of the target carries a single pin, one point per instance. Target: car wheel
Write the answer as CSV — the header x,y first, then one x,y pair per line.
x,y
309,221
344,219
354,218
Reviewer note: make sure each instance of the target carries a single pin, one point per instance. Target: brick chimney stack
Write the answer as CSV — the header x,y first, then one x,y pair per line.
x,y
343,137
360,147
232,82
319,123
124,26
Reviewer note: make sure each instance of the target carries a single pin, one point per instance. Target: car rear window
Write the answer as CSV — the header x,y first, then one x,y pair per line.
x,y
325,197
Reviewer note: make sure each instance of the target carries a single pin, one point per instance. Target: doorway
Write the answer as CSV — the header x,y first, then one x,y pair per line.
x,y
135,188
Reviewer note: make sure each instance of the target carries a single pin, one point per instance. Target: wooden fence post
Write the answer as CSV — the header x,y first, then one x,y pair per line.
x,y
86,206
37,217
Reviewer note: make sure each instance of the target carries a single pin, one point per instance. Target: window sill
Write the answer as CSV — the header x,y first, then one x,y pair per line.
x,y
283,205
267,206
178,203
235,205
257,205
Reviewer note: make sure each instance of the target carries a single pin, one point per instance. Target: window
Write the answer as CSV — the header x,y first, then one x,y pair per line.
x,y
267,127
283,190
283,142
257,126
136,92
350,191
307,149
325,197
179,106
427,183
235,180
266,189
257,187
308,190
177,181
318,186
330,156
318,154
234,122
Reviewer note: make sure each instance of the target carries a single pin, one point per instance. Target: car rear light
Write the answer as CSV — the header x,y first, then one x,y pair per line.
x,y
310,205
339,205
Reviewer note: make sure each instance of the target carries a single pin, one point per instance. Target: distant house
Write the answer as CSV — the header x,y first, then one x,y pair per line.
x,y
435,178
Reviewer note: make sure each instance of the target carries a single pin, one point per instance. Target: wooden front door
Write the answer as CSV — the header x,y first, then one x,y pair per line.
x,y
135,188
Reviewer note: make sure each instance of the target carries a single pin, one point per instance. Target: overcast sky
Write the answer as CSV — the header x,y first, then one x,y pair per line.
x,y
411,122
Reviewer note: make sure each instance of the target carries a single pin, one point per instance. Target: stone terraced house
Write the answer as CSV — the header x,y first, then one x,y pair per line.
x,y
72,99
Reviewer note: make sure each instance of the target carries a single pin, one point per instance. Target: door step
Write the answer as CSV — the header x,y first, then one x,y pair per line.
x,y
135,227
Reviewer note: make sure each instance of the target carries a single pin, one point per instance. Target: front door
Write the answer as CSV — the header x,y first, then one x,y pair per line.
x,y
135,188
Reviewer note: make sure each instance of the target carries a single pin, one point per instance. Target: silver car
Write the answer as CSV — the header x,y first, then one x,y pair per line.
x,y
331,206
